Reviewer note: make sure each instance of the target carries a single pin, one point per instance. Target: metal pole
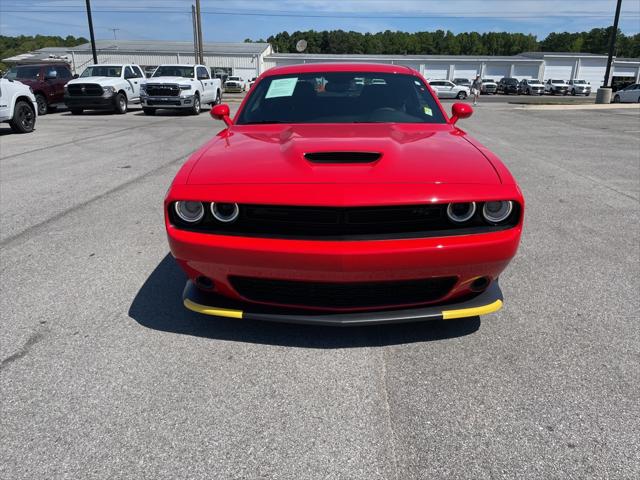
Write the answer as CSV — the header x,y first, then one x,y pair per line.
x,y
199,20
612,44
196,55
93,38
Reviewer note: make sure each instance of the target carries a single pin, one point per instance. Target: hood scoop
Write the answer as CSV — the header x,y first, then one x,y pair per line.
x,y
342,157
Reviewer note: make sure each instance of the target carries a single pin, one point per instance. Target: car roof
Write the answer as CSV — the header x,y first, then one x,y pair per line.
x,y
338,67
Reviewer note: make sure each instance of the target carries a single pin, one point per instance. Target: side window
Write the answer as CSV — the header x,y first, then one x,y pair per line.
x,y
64,72
128,73
203,74
51,72
138,73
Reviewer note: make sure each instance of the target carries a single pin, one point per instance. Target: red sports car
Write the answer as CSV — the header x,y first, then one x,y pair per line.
x,y
343,194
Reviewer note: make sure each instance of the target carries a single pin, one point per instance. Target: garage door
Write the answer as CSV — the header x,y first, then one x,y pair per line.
x,y
624,70
592,70
558,69
496,71
245,73
466,70
523,70
436,71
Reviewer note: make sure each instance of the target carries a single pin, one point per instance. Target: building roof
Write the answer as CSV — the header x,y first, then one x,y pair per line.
x,y
561,54
48,54
387,57
337,67
158,46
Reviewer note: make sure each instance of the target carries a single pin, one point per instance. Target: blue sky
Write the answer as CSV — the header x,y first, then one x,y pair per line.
x,y
233,20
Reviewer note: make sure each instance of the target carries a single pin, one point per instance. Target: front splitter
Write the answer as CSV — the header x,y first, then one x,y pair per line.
x,y
219,306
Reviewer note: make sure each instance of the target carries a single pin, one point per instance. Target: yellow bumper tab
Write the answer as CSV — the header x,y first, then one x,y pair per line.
x,y
472,312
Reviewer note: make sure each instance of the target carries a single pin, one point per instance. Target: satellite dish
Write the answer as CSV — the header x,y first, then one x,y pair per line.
x,y
301,45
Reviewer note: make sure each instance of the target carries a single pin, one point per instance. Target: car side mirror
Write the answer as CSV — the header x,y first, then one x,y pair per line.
x,y
75,75
460,110
222,112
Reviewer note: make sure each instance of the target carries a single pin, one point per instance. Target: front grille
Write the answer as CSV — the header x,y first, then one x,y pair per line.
x,y
342,223
342,295
85,89
155,103
160,90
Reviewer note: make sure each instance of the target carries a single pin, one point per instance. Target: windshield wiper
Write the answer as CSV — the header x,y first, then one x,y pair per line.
x,y
259,122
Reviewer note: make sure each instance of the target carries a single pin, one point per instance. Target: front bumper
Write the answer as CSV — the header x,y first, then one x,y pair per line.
x,y
219,306
102,102
233,89
166,102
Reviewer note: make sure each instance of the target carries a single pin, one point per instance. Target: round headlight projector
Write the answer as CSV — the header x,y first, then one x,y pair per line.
x,y
225,212
190,212
461,212
496,212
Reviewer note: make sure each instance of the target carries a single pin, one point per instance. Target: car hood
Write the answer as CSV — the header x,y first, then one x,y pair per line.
x,y
410,153
178,80
104,81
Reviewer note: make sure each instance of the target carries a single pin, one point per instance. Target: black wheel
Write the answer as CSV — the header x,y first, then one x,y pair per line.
x,y
461,95
616,99
76,111
195,110
573,92
149,111
24,117
218,100
121,103
42,104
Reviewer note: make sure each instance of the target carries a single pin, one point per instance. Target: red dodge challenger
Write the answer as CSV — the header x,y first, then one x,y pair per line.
x,y
343,194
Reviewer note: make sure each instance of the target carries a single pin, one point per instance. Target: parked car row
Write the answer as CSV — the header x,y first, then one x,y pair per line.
x,y
510,85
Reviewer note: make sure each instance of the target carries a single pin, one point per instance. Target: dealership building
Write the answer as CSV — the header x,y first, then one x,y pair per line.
x,y
248,60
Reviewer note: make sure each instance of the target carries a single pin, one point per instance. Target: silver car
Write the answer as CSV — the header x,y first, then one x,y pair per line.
x,y
579,87
531,87
447,89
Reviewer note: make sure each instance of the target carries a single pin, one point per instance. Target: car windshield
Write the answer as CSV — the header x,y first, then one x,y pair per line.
x,y
173,71
487,80
557,81
511,80
579,82
233,79
341,97
102,71
27,73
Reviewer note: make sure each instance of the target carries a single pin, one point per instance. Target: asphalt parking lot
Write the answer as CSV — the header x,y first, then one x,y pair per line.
x,y
103,373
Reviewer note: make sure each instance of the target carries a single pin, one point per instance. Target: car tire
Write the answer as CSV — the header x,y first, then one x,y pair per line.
x,y
195,110
24,117
218,99
121,104
149,111
43,108
573,92
461,95
616,99
76,111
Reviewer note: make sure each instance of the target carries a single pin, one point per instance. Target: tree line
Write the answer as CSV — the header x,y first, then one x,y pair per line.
x,y
10,46
443,42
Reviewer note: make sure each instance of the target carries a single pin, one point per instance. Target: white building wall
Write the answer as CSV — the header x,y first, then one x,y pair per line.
x,y
525,70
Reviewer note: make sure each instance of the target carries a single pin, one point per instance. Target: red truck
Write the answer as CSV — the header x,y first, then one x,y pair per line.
x,y
47,80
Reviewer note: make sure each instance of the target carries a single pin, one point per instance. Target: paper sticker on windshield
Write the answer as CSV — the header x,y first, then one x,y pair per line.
x,y
281,87
428,111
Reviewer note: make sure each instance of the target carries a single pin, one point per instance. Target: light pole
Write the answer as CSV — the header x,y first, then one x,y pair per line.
x,y
603,94
93,38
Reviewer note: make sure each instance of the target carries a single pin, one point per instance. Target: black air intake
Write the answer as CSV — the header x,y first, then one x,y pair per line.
x,y
343,157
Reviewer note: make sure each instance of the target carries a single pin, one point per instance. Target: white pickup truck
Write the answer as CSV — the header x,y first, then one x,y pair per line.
x,y
104,87
180,87
18,106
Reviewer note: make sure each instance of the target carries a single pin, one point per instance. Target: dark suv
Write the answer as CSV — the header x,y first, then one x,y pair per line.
x,y
47,80
508,85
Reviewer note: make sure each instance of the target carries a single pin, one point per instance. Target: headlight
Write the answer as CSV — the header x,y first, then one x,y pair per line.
x,y
185,87
461,212
496,212
109,89
66,89
143,89
225,212
190,212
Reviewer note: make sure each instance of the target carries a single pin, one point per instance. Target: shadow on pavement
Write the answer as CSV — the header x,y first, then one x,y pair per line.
x,y
158,305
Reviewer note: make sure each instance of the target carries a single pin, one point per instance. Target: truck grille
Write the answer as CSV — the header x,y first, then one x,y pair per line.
x,y
342,295
160,90
85,89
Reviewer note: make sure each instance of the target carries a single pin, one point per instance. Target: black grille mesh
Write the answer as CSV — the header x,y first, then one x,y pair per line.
x,y
342,295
